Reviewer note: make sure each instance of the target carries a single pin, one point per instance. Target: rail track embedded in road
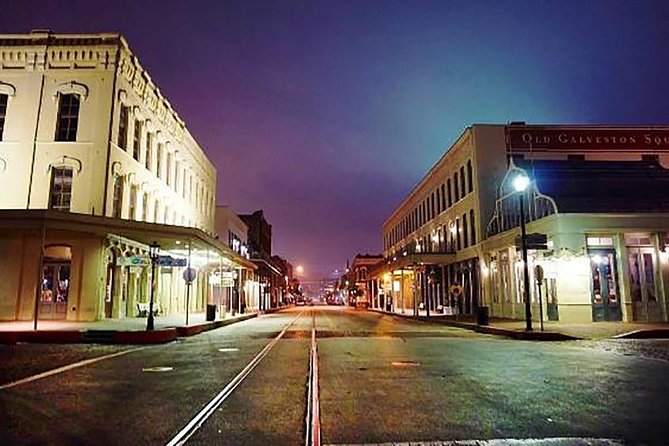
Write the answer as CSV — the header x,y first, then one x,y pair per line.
x,y
201,417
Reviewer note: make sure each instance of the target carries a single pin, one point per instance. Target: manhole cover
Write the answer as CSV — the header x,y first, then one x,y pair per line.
x,y
405,363
157,369
228,349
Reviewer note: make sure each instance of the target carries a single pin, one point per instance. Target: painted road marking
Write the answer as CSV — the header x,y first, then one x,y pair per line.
x,y
559,441
228,349
405,363
198,420
313,422
158,369
66,368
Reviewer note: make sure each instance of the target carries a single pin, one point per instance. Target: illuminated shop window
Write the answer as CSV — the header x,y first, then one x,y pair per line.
x,y
60,195
3,113
68,117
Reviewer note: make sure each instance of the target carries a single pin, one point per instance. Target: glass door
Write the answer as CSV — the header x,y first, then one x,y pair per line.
x,y
55,290
642,284
604,285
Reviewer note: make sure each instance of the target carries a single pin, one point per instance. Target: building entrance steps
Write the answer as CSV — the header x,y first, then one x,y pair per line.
x,y
114,331
554,331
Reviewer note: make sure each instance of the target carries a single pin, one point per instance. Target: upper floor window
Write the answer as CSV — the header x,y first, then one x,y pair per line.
x,y
132,209
169,169
145,206
123,128
472,226
159,161
148,161
68,117
60,195
463,191
117,203
470,177
449,192
183,185
456,193
3,113
137,138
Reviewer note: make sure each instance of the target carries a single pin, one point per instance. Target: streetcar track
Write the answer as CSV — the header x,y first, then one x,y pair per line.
x,y
210,408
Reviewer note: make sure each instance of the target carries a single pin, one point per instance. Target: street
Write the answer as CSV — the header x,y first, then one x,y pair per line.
x,y
381,379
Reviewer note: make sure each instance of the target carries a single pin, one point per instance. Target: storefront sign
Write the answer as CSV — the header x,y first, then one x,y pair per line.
x,y
134,261
537,138
171,261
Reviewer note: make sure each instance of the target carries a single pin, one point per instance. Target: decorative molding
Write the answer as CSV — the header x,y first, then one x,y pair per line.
x,y
122,96
7,89
116,168
67,161
71,87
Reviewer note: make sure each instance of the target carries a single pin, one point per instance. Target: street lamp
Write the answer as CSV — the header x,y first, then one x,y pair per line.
x,y
153,254
520,184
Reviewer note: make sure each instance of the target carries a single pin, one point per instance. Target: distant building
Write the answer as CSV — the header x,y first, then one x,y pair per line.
x,y
95,165
360,276
260,247
232,230
597,192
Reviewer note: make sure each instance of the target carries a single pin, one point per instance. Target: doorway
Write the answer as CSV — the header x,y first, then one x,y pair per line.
x,y
643,289
604,285
55,292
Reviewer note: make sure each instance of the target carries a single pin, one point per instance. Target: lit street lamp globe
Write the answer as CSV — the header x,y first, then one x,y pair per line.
x,y
521,182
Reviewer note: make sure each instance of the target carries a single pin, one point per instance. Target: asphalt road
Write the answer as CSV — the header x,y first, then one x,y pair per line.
x,y
381,380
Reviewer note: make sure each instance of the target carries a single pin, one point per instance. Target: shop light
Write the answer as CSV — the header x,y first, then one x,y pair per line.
x,y
597,259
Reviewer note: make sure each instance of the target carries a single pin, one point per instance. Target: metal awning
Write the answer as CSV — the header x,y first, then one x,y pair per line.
x,y
145,233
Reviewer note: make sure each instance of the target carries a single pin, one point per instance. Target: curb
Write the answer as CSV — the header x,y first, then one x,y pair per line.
x,y
651,333
115,337
487,329
192,330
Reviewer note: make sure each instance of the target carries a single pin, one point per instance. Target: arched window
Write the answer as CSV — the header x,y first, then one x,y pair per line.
x,y
117,203
68,117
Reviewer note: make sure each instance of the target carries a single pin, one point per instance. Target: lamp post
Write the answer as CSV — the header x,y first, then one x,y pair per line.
x,y
520,184
153,254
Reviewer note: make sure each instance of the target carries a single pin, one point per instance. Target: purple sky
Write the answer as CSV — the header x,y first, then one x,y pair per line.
x,y
325,114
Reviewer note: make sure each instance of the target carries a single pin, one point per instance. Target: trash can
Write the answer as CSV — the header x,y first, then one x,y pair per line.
x,y
211,312
483,316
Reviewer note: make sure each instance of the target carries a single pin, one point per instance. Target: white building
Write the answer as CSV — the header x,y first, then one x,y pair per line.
x,y
95,165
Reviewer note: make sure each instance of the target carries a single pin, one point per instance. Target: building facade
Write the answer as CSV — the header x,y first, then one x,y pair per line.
x,y
595,192
88,138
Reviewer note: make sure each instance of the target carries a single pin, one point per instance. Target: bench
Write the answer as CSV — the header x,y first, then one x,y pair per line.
x,y
143,309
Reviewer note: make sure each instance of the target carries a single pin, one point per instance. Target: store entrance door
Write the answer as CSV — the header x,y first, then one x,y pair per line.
x,y
55,290
642,284
604,285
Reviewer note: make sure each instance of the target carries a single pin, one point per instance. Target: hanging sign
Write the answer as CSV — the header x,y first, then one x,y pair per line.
x,y
134,261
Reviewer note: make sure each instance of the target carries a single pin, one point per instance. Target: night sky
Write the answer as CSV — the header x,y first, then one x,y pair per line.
x,y
326,114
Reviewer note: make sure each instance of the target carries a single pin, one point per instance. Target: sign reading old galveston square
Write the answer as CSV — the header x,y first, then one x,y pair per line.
x,y
565,139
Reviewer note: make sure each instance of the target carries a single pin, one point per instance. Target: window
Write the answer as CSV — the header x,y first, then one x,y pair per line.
x,y
155,211
3,113
465,231
448,188
472,226
159,161
148,161
183,185
60,196
68,117
457,234
470,177
463,191
137,138
117,203
177,166
169,169
123,128
145,206
432,208
456,195
443,197
132,212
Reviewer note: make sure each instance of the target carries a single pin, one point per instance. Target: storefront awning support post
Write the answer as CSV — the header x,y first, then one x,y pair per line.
x,y
40,273
188,283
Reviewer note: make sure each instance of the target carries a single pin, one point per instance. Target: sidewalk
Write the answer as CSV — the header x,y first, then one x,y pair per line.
x,y
114,331
553,331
